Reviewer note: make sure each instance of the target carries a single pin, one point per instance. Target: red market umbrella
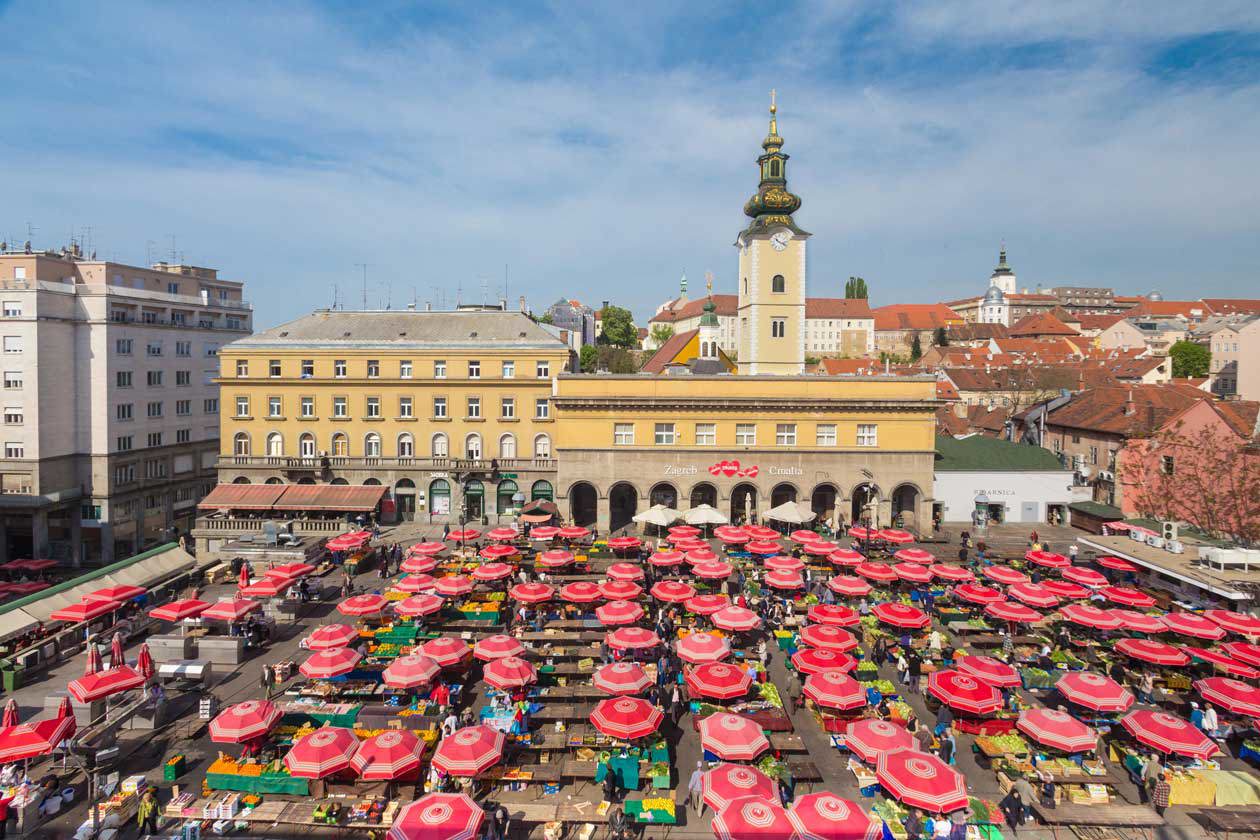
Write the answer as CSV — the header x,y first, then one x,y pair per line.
x,y
1230,666
419,605
821,548
620,678
332,636
761,532
419,564
846,557
369,604
388,755
673,591
827,637
348,542
995,672
581,592
1088,615
1230,694
763,547
951,572
544,532
1169,734
804,535
849,585
620,590
115,593
964,692
532,593
707,604
290,570
453,585
702,647
1004,574
325,751
626,718
84,611
869,737
1192,624
619,612
837,614
690,544
702,555
465,534
98,686
1116,564
1012,611
913,572
731,533
438,816
1048,559
718,680
921,781
447,651
179,610
753,818
510,672
495,552
812,660
1066,589
1033,594
783,580
625,571
835,689
502,534
1094,691
64,709
683,531
1154,652
244,578
333,662
915,555
895,536
1248,652
411,670
144,662
116,651
735,619
230,609
667,558
624,543
825,816
416,583
245,721
632,638
267,587
978,593
93,663
784,564
1234,622
470,751
881,572
715,571
1138,622
901,615
1127,595
732,737
34,738
1057,730
492,571
728,782
497,646
574,532
1085,577
427,548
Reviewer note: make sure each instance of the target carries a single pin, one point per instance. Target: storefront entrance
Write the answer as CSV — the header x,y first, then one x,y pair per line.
x,y
664,494
704,494
405,499
623,502
743,504
863,495
474,500
583,504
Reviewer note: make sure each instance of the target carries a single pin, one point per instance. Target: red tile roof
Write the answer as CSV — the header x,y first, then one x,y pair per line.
x,y
837,308
1191,310
915,316
850,367
1233,306
976,332
1098,322
1125,409
1042,323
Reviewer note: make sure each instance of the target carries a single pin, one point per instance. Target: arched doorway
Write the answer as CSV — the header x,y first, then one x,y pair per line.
x,y
743,503
240,479
542,490
372,482
823,502
274,480
863,495
583,504
905,505
664,493
504,501
340,482
704,494
474,500
405,499
439,497
782,493
623,503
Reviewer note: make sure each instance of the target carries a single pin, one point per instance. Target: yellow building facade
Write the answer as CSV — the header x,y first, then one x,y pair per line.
x,y
451,411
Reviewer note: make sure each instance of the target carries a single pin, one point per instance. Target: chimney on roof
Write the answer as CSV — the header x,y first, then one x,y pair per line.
x,y
960,410
503,304
1129,408
428,306
522,300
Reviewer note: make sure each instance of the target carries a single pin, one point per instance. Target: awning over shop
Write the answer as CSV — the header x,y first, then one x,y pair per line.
x,y
243,496
331,497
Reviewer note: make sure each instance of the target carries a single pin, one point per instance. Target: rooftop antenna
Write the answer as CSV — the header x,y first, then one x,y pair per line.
x,y
31,230
149,245
334,291
174,252
363,266
485,289
389,294
459,293
505,282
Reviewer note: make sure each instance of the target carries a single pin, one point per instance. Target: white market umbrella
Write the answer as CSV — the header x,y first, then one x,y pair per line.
x,y
659,515
789,512
704,515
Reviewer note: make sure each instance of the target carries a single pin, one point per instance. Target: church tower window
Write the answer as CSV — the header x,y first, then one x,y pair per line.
x,y
778,285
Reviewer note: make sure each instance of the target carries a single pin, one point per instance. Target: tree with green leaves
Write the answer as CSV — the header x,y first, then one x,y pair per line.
x,y
940,338
588,357
856,288
546,318
916,349
1190,360
661,333
618,327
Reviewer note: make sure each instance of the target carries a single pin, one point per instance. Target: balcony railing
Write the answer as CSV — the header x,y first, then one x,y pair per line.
x,y
347,462
237,524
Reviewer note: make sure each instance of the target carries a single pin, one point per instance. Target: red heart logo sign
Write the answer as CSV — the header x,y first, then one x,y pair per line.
x,y
716,469
749,472
730,468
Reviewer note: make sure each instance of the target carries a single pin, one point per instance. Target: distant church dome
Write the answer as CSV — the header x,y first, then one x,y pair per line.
x,y
1155,294
994,295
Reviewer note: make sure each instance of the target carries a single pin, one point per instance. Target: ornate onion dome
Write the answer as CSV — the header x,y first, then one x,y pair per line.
x,y
709,318
1002,268
773,205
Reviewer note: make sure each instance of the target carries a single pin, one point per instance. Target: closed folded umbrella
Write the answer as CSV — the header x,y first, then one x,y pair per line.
x,y
10,717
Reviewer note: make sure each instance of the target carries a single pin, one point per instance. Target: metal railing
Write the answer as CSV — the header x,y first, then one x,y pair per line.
x,y
347,462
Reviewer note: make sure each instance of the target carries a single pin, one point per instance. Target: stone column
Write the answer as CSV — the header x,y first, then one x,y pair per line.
x,y
39,534
76,536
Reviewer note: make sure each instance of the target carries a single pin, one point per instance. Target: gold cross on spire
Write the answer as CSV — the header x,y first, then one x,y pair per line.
x,y
708,281
773,107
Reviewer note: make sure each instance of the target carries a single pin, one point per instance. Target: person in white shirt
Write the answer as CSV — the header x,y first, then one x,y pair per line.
x,y
1210,721
450,724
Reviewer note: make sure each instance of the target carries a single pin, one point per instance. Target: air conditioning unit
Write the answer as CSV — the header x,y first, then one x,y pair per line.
x,y
1168,530
1175,546
1155,540
1106,475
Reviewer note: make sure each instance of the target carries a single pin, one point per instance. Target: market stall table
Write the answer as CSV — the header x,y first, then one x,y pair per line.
x,y
1114,815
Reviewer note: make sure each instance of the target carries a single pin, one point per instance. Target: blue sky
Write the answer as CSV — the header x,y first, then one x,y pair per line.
x,y
599,151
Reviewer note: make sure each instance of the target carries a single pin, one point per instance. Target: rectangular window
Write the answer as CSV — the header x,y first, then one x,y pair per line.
x,y
210,406
15,450
339,368
275,407
665,434
242,367
155,379
439,369
745,434
183,408
154,409
340,407
785,434
123,443
308,407
373,368
542,409
867,434
373,406
183,435
1168,465
509,370
153,348
155,439
122,346
123,411
13,309
404,407
308,368
623,434
825,434
542,370
474,370
439,406
172,288
273,368
778,327
507,408
122,379
183,349
183,378
1093,455
125,474
242,406
13,380
13,344
13,416
404,369
474,407
706,434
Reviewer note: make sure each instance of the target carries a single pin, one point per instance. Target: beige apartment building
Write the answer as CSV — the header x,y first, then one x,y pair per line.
x,y
1235,348
111,414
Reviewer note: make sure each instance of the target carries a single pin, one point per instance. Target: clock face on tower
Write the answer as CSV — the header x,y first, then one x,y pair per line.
x,y
780,240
